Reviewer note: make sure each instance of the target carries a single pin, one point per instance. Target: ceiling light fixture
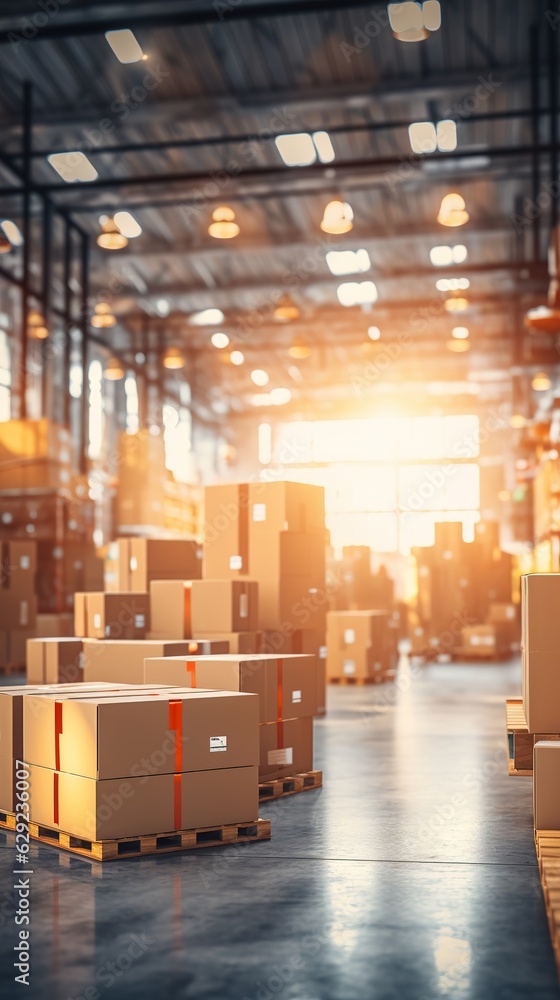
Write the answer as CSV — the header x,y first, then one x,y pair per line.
x,y
452,284
73,166
337,218
460,332
127,225
299,349
125,45
340,262
357,293
173,358
541,382
223,226
219,340
237,358
517,421
374,333
103,317
302,149
414,22
36,325
12,233
458,346
285,310
113,370
443,256
324,146
452,211
260,377
456,304
110,237
207,317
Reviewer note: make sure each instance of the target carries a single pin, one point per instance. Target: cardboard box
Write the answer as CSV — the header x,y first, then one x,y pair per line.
x,y
223,606
493,639
286,748
546,785
11,733
506,613
111,616
160,732
171,609
123,662
17,612
286,686
290,570
55,661
34,439
358,643
19,566
52,626
136,562
142,476
226,531
291,640
540,605
284,506
240,642
138,806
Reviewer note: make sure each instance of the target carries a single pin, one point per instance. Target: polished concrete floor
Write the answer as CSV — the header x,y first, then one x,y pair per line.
x,y
410,876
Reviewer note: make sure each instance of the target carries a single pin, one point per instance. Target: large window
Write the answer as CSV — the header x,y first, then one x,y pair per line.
x,y
387,481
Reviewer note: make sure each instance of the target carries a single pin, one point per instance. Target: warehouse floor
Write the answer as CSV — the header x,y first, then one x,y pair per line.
x,y
410,875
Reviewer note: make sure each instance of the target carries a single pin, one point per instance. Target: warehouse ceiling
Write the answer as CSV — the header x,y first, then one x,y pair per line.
x,y
191,127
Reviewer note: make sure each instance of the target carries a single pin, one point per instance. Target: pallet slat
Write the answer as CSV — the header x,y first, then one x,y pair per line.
x,y
281,787
520,741
387,676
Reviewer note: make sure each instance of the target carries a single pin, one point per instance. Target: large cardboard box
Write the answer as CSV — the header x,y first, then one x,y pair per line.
x,y
286,748
139,806
286,686
546,785
492,639
52,626
11,733
358,643
290,640
223,606
135,562
226,531
34,454
540,607
160,732
55,661
123,662
290,569
98,615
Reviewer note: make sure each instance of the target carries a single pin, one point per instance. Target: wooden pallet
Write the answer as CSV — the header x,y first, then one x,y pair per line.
x,y
520,741
281,787
162,843
7,820
381,678
547,843
489,656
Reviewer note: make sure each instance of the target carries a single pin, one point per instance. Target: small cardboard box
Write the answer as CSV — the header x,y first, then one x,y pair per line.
x,y
358,643
123,662
223,606
98,615
139,561
19,566
139,806
284,506
502,613
546,785
286,686
55,661
52,626
170,607
286,748
160,732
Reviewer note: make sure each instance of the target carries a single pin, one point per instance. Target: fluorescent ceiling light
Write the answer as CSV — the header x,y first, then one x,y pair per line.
x,y
125,45
452,284
348,261
259,377
280,396
296,150
162,306
207,317
302,149
413,22
73,166
446,135
357,293
460,332
237,357
444,256
422,136
374,333
127,224
324,146
11,232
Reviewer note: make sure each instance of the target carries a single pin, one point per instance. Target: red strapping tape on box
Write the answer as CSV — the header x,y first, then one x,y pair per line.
x,y
280,707
176,725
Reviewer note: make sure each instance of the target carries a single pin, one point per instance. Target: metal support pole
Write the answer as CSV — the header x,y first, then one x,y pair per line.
x,y
535,165
84,325
46,273
26,233
67,306
553,101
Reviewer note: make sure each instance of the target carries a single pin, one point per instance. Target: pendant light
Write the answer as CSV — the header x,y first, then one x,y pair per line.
x,y
286,310
337,218
36,325
299,349
453,211
173,358
223,226
113,370
103,317
110,237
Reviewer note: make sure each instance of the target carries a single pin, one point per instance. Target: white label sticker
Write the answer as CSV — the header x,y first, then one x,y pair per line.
x,y
58,553
81,660
510,612
243,605
259,512
349,636
24,562
218,744
7,518
64,476
322,652
235,562
23,612
349,667
139,621
72,525
133,564
199,553
296,697
281,757
97,621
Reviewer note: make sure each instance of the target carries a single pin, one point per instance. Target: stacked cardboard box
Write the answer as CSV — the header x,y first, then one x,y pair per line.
x,y
153,762
34,453
360,645
287,690
18,599
141,476
273,533
221,610
540,603
133,563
